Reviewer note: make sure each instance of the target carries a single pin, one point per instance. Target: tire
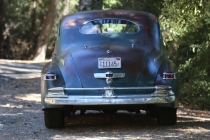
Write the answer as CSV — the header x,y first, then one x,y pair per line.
x,y
54,118
166,116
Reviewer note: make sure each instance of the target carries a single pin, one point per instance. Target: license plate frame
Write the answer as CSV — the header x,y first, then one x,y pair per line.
x,y
109,63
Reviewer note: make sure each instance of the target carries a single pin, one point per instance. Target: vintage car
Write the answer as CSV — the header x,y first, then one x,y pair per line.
x,y
109,60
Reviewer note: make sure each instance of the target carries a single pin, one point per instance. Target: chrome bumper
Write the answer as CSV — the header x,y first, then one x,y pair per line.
x,y
162,94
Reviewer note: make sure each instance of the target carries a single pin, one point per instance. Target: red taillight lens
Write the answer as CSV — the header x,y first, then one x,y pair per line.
x,y
169,75
109,75
49,77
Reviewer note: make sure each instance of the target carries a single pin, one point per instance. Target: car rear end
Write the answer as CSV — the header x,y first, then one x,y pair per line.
x,y
109,62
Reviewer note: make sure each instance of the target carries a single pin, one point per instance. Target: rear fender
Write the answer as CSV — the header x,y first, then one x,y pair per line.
x,y
50,68
168,66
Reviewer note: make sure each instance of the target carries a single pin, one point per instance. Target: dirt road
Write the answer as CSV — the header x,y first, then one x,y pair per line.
x,y
21,118
17,69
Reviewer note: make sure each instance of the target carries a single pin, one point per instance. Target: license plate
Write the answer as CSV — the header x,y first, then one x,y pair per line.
x,y
114,62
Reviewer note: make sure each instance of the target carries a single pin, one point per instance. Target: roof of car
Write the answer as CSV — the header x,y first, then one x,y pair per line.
x,y
123,14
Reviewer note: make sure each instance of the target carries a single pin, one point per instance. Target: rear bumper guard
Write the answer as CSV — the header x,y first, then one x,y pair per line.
x,y
162,94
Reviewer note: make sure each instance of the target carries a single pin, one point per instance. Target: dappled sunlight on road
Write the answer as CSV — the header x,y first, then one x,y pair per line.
x,y
21,117
29,97
11,69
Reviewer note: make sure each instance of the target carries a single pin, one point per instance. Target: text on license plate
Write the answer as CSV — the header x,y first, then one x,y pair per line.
x,y
114,62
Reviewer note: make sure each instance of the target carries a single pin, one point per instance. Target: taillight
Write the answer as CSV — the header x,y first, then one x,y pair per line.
x,y
110,75
169,75
49,77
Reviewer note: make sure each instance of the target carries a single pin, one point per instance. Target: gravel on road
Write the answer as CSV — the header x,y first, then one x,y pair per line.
x,y
21,117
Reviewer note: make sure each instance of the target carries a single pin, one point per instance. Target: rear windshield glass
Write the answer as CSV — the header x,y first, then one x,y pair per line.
x,y
108,26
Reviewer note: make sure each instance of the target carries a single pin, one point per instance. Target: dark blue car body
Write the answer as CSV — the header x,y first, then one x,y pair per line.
x,y
109,60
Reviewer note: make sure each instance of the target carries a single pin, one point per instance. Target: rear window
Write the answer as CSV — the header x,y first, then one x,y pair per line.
x,y
103,26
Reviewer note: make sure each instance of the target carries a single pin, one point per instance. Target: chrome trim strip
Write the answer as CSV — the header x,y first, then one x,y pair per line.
x,y
103,75
160,91
113,88
120,96
97,100
60,59
56,96
158,57
58,93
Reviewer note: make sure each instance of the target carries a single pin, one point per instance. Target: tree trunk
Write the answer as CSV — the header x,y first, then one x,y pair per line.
x,y
67,9
84,5
44,34
4,34
1,20
33,18
87,5
34,32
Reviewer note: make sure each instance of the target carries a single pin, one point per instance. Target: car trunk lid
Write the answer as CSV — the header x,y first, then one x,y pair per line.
x,y
132,60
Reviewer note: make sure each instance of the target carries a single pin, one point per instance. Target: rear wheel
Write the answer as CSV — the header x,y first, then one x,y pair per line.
x,y
54,118
166,116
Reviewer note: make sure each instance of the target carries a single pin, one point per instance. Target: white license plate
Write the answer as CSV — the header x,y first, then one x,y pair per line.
x,y
114,62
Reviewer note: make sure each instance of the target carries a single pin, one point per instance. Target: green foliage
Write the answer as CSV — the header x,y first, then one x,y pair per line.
x,y
24,19
186,32
152,6
185,26
195,75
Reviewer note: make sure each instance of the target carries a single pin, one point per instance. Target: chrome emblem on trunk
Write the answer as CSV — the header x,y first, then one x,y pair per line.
x,y
109,81
109,51
109,93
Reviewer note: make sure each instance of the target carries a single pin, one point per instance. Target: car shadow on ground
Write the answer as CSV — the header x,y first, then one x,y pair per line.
x,y
126,118
120,118
130,125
